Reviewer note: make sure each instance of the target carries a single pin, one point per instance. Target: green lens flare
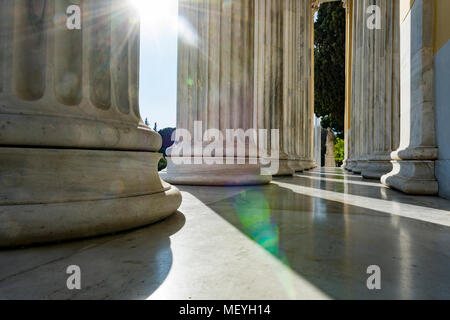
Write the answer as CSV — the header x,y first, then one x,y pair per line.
x,y
255,214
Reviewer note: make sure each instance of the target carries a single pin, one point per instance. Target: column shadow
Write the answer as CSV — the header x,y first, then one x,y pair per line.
x,y
365,188
331,244
127,265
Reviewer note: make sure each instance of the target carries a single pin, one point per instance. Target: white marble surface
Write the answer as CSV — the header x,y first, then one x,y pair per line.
x,y
308,236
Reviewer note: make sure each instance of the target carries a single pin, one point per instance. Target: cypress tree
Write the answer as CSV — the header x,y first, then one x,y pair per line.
x,y
329,70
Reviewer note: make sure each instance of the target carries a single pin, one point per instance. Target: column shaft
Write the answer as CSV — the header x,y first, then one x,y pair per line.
x,y
302,104
348,4
76,159
272,76
386,94
374,90
414,161
216,94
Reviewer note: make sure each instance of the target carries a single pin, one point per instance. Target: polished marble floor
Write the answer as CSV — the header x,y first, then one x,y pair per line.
x,y
311,236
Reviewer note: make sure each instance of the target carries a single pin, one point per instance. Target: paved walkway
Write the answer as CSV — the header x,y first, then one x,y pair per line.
x,y
304,237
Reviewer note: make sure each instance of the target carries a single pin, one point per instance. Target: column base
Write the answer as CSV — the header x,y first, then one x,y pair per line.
x,y
412,177
297,165
201,171
284,168
49,195
349,165
360,166
302,165
443,177
376,169
310,164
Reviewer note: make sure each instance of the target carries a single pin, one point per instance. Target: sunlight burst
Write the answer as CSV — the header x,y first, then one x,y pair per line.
x,y
157,14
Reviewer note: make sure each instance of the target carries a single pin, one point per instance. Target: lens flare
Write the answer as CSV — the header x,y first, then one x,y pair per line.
x,y
156,15
257,219
255,214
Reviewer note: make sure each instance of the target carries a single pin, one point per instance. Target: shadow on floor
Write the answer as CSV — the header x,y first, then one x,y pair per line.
x,y
331,244
129,265
349,183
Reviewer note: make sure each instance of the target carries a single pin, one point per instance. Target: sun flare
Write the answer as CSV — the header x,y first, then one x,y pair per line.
x,y
156,14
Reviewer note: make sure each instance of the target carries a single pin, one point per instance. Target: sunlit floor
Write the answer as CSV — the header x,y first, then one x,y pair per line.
x,y
311,236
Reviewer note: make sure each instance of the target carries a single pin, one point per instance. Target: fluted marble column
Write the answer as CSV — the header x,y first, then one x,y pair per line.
x,y
385,114
352,89
363,89
357,83
272,63
310,163
301,94
283,77
348,5
75,157
215,91
364,97
414,161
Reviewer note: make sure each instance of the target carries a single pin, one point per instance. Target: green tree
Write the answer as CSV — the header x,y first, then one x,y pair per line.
x,y
339,151
329,70
162,164
166,135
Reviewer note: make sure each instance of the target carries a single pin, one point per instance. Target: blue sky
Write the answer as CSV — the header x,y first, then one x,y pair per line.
x,y
158,62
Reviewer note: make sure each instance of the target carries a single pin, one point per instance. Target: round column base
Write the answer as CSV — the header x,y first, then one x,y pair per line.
x,y
412,177
22,225
309,164
284,168
377,169
360,166
350,165
50,195
297,165
204,172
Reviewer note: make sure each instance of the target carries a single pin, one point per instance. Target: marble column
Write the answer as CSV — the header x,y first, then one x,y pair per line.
x,y
301,102
76,159
414,161
352,92
295,44
348,5
272,26
358,20
365,87
216,95
385,116
310,163
283,78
